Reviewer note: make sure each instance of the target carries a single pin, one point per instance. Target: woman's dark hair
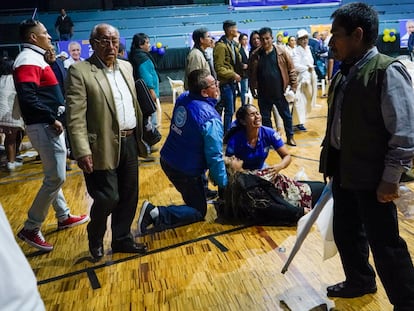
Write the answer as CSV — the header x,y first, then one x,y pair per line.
x,y
6,66
353,15
254,32
138,40
241,114
242,35
290,37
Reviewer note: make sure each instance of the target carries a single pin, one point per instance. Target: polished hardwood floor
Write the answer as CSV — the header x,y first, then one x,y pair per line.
x,y
203,266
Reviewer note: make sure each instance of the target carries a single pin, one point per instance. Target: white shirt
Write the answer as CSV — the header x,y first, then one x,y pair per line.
x,y
303,59
123,99
70,61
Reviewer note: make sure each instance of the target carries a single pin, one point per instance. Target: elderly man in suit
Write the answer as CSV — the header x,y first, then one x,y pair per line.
x,y
104,122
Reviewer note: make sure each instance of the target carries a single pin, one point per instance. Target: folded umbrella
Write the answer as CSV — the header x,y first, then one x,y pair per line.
x,y
306,222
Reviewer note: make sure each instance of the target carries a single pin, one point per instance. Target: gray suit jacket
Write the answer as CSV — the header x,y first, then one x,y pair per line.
x,y
91,114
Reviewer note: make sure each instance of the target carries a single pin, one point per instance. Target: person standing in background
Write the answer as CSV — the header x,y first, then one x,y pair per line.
x,y
197,58
244,52
254,41
64,26
271,71
145,68
227,63
290,45
60,72
11,122
307,81
369,143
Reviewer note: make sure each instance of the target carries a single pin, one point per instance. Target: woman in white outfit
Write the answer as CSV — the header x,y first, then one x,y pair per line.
x,y
307,79
11,122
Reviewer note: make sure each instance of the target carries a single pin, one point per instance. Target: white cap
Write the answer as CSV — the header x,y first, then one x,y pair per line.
x,y
63,53
302,33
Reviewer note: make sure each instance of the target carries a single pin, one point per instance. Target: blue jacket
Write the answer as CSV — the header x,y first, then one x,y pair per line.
x,y
194,142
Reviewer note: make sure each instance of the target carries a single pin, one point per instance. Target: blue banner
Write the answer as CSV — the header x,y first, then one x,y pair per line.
x,y
406,28
253,3
86,48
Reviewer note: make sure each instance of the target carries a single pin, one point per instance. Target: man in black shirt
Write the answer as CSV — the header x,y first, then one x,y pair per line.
x,y
273,67
64,26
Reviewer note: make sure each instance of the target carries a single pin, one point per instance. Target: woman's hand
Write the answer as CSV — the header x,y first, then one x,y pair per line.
x,y
272,170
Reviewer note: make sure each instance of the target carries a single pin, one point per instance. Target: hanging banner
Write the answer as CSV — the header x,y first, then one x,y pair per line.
x,y
86,48
252,3
406,28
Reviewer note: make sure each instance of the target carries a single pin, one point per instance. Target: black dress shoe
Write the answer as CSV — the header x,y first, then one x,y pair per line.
x,y
211,194
97,252
344,290
128,246
291,141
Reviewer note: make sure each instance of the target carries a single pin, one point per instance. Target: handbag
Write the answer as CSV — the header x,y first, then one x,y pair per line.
x,y
146,103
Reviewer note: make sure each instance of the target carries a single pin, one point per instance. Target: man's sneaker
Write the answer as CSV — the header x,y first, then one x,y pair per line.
x,y
35,238
72,221
145,218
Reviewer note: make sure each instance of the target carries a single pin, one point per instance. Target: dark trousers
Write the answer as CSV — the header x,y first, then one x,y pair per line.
x,y
193,193
114,192
360,222
266,105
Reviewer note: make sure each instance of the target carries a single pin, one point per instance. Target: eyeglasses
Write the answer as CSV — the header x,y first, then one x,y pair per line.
x,y
215,83
107,42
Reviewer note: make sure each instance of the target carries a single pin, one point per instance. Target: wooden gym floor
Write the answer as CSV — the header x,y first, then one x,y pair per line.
x,y
203,266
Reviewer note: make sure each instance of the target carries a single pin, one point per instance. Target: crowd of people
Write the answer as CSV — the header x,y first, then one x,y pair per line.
x,y
93,103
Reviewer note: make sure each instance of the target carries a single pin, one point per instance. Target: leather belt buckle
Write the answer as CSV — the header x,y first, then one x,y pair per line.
x,y
126,133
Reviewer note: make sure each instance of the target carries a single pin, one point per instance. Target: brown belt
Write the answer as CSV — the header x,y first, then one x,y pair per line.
x,y
126,133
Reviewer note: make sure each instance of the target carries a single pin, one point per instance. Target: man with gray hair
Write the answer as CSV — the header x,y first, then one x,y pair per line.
x,y
104,122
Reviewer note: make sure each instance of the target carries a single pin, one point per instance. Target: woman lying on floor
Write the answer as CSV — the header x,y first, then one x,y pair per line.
x,y
257,188
265,197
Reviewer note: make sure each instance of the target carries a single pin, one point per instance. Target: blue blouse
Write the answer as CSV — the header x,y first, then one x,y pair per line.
x,y
253,157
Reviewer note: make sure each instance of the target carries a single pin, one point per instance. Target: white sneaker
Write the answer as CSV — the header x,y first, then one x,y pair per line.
x,y
12,165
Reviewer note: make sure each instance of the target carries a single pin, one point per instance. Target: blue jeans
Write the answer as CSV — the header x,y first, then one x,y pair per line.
x,y
266,105
52,151
228,100
192,191
244,88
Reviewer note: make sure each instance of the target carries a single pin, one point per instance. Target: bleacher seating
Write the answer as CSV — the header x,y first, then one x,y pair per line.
x,y
174,24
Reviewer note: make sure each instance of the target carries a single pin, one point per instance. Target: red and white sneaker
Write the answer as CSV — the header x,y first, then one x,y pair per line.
x,y
72,221
35,238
